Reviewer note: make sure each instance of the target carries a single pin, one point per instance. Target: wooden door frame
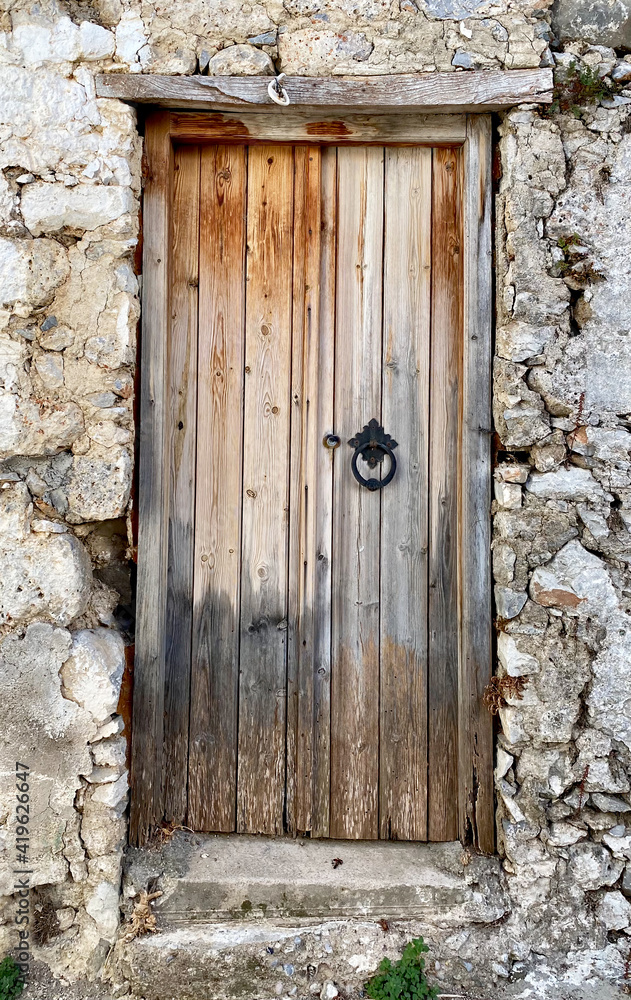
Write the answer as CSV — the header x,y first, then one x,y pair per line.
x,y
473,133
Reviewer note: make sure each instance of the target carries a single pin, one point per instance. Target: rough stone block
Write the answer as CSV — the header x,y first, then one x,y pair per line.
x,y
607,444
102,905
549,453
98,487
30,428
315,51
609,21
131,37
508,495
621,72
614,911
518,340
48,733
241,60
608,701
591,866
509,602
575,580
47,575
40,40
31,270
96,42
504,559
93,672
171,52
515,662
512,472
110,752
57,339
610,803
103,829
596,365
12,359
113,794
565,484
50,208
50,368
564,834
522,423
620,846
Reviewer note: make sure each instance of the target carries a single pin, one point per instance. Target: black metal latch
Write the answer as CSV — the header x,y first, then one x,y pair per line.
x,y
373,444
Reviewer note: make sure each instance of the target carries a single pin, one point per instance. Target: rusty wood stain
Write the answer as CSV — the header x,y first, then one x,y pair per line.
x,y
328,129
126,697
446,346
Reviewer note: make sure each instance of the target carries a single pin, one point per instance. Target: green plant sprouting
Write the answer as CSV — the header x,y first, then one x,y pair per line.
x,y
11,979
577,86
404,979
567,243
576,264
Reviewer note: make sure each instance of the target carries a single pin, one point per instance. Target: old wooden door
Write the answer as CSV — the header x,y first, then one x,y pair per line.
x,y
312,640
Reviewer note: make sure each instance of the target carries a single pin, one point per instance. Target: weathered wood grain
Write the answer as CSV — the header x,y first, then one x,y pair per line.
x,y
355,639
446,345
215,673
300,727
181,447
311,496
404,506
323,548
475,755
261,769
490,90
148,713
298,127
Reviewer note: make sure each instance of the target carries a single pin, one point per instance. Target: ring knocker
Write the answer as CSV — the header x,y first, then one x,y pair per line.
x,y
373,444
277,92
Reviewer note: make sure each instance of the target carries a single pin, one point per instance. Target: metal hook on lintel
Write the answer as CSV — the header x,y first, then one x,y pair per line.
x,y
277,92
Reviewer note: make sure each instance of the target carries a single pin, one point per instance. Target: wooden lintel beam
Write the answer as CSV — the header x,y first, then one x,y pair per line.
x,y
471,91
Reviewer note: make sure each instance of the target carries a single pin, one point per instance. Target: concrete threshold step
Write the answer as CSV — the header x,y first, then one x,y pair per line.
x,y
256,960
205,878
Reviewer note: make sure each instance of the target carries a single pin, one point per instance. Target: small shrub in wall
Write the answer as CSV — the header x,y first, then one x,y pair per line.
x,y
575,87
402,980
11,979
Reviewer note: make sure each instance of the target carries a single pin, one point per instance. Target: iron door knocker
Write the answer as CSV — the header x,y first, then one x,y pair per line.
x,y
373,444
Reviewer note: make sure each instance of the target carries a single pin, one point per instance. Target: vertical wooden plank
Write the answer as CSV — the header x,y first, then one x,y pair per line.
x,y
295,765
215,673
355,639
148,725
404,507
443,516
306,245
262,694
323,584
475,724
309,668
181,435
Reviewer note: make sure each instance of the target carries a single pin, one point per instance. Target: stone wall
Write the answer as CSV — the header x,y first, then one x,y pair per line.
x,y
69,197
561,549
69,187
